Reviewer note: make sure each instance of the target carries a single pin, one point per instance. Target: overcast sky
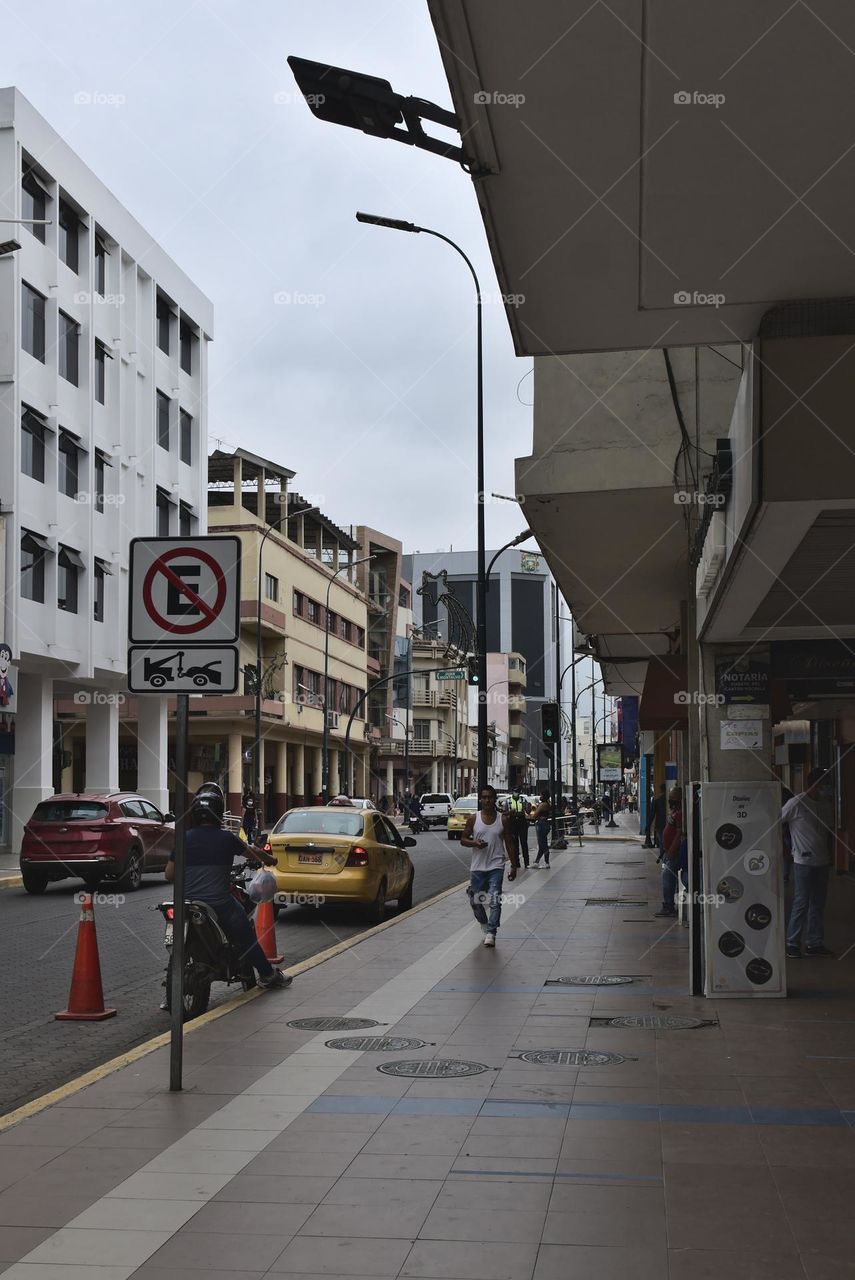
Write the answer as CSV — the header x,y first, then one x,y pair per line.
x,y
364,382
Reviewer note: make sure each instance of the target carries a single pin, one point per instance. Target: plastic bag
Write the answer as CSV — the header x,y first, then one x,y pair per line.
x,y
262,886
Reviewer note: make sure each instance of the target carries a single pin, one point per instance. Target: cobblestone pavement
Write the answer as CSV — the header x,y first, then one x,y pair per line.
x,y
37,942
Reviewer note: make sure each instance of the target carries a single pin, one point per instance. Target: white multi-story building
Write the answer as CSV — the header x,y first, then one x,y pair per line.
x,y
103,369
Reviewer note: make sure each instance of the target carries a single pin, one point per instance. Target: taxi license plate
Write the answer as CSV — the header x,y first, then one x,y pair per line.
x,y
310,857
167,939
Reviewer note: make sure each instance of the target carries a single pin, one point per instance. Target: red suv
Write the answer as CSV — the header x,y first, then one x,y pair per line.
x,y
97,835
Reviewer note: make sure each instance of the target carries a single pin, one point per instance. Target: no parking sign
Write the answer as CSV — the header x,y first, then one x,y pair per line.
x,y
184,615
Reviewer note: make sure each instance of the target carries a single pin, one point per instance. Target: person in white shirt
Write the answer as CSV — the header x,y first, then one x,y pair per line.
x,y
487,833
809,824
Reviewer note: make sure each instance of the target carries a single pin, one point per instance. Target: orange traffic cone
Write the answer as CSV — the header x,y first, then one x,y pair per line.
x,y
86,998
265,931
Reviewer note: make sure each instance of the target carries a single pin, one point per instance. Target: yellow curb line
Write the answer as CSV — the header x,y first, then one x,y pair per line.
x,y
10,882
158,1042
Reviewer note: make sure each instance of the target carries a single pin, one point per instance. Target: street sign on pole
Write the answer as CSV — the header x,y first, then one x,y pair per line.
x,y
451,675
183,633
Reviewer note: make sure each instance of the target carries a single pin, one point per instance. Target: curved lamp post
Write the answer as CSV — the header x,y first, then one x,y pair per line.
x,y
396,224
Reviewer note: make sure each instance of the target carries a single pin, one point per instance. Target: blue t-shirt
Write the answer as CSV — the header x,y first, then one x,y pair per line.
x,y
209,856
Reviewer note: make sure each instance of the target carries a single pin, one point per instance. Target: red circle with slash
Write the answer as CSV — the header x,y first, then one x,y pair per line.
x,y
209,612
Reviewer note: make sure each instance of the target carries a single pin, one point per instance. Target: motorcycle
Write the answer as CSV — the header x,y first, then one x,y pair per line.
x,y
209,955
417,824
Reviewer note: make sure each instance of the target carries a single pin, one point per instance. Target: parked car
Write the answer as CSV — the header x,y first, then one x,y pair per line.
x,y
97,836
461,810
327,854
362,802
436,807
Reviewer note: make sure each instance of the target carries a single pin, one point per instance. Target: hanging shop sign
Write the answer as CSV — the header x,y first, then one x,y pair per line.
x,y
742,680
609,762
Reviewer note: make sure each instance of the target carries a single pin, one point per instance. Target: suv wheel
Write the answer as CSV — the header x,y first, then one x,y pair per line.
x,y
131,878
34,883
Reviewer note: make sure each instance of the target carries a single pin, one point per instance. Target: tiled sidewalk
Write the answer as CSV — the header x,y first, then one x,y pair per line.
x,y
725,1151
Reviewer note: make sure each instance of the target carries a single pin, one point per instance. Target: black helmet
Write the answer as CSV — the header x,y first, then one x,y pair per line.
x,y
208,805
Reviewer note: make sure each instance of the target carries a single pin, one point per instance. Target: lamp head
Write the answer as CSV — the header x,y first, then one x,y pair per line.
x,y
396,224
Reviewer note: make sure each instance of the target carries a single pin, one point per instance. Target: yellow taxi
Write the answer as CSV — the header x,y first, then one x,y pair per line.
x,y
461,810
334,854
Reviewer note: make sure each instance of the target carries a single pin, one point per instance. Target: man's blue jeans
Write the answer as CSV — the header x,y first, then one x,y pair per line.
x,y
235,922
485,894
811,886
670,867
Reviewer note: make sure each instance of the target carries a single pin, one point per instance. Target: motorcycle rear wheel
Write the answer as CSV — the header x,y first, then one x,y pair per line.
x,y
197,989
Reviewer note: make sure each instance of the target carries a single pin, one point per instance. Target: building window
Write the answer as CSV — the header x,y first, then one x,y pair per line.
x,y
163,420
33,322
344,628
313,610
69,236
101,255
69,338
98,478
332,620
163,508
68,465
186,340
32,445
68,565
33,555
186,436
299,604
100,584
33,202
186,519
360,637
271,587
101,357
164,316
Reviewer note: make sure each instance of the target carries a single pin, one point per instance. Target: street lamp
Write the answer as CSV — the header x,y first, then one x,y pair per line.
x,y
370,103
396,224
514,542
11,246
256,751
325,774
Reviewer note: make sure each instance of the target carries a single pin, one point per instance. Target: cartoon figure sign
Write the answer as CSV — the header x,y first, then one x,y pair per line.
x,y
8,682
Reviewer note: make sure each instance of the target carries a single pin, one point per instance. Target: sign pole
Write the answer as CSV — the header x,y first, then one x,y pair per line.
x,y
176,1050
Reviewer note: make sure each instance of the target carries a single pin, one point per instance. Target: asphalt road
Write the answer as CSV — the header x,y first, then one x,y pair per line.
x,y
37,942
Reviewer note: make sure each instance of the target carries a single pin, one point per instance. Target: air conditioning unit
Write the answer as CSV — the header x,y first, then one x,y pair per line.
x,y
332,719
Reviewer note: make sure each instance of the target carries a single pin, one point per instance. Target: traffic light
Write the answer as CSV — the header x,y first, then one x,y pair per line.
x,y
473,674
549,723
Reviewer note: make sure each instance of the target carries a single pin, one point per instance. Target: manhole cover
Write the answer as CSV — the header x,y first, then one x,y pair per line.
x,y
333,1024
658,1022
433,1068
371,1044
569,1057
592,980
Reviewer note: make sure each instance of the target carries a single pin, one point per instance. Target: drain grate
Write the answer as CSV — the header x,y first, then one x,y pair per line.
x,y
373,1044
571,1057
615,902
593,980
655,1022
433,1068
333,1024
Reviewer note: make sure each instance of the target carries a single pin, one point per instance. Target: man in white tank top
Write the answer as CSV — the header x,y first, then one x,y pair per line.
x,y
487,834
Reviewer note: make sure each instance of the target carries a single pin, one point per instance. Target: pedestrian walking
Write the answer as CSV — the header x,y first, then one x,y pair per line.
x,y
250,814
487,834
809,823
541,817
672,838
518,811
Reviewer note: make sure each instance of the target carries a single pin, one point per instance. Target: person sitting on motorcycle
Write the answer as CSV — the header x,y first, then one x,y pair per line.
x,y
415,811
209,856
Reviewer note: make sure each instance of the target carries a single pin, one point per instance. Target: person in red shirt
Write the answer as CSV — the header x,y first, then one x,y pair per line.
x,y
672,837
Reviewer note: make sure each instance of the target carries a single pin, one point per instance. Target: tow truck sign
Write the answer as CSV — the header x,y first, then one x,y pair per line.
x,y
184,615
